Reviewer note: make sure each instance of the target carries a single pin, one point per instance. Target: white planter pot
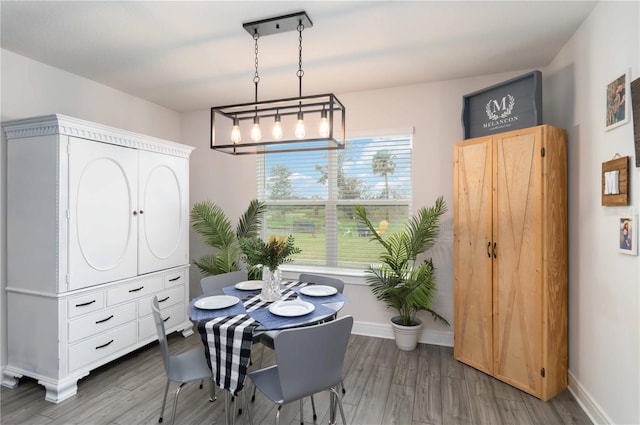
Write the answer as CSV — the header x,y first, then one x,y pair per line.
x,y
406,336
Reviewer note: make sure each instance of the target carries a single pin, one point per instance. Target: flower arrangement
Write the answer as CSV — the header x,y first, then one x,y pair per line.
x,y
272,253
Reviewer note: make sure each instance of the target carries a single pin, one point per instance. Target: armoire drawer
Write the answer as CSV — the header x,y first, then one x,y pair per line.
x,y
105,344
172,316
134,290
165,299
101,321
84,304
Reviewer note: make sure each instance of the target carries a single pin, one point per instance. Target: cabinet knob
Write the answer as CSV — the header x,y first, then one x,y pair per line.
x,y
141,212
135,212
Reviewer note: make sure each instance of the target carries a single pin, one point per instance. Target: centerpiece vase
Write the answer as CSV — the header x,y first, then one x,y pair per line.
x,y
271,280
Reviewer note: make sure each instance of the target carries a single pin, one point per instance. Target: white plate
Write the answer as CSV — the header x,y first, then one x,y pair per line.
x,y
291,308
318,290
249,285
216,302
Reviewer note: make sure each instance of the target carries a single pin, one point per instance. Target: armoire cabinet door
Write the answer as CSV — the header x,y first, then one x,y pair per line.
x,y
102,213
473,263
517,299
163,222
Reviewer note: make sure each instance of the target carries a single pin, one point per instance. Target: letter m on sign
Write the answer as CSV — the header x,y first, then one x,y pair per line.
x,y
499,106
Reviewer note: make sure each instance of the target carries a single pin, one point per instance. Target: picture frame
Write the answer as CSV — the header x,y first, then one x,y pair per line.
x,y
628,235
616,194
618,96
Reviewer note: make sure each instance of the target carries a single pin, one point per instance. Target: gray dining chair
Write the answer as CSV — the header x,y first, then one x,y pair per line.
x,y
308,360
182,368
212,285
268,337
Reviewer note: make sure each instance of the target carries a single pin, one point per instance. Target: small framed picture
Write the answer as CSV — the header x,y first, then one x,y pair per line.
x,y
628,228
618,100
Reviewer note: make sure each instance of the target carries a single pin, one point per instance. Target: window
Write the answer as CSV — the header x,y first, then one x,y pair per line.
x,y
311,196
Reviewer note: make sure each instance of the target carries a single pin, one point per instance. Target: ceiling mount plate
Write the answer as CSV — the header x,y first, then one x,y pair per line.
x,y
278,24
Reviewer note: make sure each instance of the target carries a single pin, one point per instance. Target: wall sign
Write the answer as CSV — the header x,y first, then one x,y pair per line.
x,y
615,182
511,105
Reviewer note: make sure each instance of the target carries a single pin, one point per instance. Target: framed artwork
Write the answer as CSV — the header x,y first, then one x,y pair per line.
x,y
618,100
628,229
615,182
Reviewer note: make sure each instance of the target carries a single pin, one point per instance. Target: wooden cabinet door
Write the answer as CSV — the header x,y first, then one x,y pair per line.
x,y
517,231
473,254
163,219
102,225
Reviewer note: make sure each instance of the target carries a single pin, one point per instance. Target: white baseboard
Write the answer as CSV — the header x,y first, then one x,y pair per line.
x,y
379,330
588,404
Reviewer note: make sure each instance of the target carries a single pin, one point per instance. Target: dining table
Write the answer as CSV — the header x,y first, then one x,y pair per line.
x,y
229,323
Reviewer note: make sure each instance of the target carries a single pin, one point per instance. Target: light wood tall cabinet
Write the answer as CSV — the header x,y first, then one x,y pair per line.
x,y
510,257
97,225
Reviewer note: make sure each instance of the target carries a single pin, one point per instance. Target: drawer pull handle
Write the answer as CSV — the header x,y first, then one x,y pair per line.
x,y
163,300
488,248
104,345
104,320
174,279
85,304
168,317
137,289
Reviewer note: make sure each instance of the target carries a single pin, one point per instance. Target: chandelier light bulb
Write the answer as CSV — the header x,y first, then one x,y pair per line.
x,y
324,124
235,132
256,134
276,133
300,133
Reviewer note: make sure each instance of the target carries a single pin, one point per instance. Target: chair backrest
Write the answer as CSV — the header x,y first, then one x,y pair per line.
x,y
162,335
322,280
212,285
310,358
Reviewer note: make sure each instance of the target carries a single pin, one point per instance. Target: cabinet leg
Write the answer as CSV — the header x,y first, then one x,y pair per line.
x,y
188,331
10,379
58,391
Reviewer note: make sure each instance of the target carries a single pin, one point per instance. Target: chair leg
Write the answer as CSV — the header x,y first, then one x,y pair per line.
x,y
212,391
278,415
164,400
175,404
313,407
301,413
339,403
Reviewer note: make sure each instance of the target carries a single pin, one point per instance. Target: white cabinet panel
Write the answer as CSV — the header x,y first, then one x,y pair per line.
x,y
163,215
102,203
101,321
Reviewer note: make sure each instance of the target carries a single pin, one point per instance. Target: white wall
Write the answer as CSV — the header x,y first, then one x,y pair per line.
x,y
30,88
604,285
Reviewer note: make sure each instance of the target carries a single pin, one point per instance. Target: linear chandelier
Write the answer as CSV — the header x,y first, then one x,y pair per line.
x,y
303,123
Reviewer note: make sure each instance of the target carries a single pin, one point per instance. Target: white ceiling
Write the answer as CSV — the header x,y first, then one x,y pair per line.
x,y
190,55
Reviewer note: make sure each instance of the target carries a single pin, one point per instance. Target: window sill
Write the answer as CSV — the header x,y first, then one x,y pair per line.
x,y
349,276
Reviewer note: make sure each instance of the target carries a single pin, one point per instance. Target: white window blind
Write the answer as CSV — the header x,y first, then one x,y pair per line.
x,y
311,195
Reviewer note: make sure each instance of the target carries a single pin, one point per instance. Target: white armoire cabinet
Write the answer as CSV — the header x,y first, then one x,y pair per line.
x,y
97,225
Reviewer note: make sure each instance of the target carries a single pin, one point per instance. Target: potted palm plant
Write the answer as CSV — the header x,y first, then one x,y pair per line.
x,y
397,280
210,222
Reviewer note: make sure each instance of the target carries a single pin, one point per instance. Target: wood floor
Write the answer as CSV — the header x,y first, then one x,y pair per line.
x,y
383,386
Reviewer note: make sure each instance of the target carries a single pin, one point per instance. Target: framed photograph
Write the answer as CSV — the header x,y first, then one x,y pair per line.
x,y
628,229
618,100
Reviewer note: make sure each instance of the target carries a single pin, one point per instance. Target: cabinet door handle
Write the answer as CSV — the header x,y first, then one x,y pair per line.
x,y
137,289
141,212
104,320
174,279
85,304
104,345
135,212
163,300
495,249
488,248
168,317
